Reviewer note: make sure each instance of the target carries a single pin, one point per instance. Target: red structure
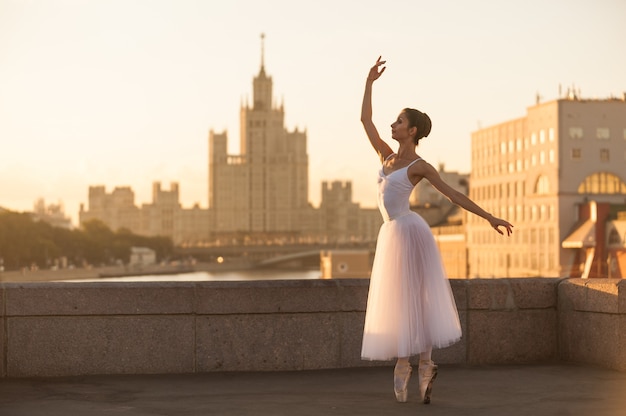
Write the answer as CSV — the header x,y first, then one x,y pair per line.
x,y
600,242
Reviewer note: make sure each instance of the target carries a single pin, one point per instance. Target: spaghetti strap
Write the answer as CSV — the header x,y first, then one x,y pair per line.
x,y
409,165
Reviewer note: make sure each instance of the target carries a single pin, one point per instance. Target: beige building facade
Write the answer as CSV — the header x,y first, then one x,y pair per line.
x,y
264,190
163,217
536,171
261,194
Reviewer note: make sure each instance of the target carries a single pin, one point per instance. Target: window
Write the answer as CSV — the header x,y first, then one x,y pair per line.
x,y
542,158
533,139
604,155
614,237
576,154
603,133
542,186
551,134
503,148
542,136
576,133
602,183
551,156
519,142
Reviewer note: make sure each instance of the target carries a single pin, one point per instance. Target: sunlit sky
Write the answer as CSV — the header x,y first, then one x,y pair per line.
x,y
124,92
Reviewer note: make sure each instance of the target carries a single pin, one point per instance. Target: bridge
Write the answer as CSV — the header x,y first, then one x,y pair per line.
x,y
287,255
293,260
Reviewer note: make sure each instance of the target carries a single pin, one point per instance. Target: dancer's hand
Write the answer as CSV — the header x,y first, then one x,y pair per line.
x,y
496,223
374,72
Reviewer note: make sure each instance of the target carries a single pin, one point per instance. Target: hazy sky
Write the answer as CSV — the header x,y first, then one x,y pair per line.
x,y
124,92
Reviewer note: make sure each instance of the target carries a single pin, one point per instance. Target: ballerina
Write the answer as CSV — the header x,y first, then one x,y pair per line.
x,y
410,306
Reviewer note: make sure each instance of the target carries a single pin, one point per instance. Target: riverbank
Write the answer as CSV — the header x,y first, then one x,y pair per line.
x,y
40,275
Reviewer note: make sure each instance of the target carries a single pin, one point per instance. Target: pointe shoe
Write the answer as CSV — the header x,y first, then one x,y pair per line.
x,y
427,373
400,381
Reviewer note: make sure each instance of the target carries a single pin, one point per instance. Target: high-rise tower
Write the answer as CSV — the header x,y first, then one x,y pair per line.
x,y
265,188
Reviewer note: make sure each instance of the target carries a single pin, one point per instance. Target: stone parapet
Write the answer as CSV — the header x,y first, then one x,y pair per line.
x,y
512,321
63,329
592,322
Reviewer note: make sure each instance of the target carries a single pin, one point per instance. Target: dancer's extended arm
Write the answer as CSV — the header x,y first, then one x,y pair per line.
x,y
425,170
382,149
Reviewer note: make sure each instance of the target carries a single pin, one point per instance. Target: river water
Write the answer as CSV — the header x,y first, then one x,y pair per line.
x,y
241,275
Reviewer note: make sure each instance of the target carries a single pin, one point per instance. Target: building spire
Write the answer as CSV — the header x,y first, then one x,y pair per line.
x,y
262,52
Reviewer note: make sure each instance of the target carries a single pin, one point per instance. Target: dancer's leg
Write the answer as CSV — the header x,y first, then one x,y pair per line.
x,y
401,375
427,372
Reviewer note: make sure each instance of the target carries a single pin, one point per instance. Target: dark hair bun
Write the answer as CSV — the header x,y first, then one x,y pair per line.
x,y
419,120
427,124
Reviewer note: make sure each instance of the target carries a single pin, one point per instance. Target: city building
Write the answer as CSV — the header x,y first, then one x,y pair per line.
x,y
53,214
262,194
344,221
432,205
163,217
116,209
537,171
257,197
264,190
142,256
343,264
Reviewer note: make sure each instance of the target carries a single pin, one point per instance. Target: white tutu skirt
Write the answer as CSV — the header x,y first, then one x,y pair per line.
x,y
410,306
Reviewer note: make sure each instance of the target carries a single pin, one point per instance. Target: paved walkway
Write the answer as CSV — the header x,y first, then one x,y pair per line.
x,y
559,390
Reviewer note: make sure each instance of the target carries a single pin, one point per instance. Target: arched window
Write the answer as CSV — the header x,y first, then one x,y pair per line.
x,y
602,183
542,186
614,237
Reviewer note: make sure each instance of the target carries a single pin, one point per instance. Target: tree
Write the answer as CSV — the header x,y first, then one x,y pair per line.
x,y
24,242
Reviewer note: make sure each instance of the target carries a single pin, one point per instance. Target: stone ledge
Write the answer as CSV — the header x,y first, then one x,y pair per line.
x,y
593,295
511,294
282,297
55,329
592,322
84,299
167,298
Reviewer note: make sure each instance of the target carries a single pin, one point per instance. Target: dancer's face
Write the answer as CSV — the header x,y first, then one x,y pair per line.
x,y
400,129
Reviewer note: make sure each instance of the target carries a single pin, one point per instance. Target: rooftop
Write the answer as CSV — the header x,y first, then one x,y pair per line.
x,y
530,347
559,389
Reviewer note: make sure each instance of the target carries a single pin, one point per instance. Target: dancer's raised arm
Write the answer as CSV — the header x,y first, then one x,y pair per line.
x,y
379,145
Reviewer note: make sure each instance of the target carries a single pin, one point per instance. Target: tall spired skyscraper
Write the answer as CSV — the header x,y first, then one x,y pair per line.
x,y
264,190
